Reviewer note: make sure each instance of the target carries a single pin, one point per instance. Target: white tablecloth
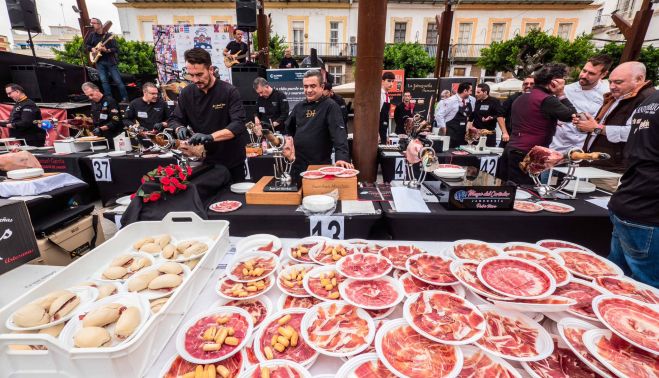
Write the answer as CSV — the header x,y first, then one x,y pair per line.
x,y
10,188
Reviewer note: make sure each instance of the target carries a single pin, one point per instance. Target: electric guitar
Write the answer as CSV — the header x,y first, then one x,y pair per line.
x,y
95,56
232,59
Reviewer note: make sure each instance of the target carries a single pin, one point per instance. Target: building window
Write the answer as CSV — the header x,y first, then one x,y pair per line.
x,y
400,31
498,29
431,34
336,70
334,32
147,31
532,26
598,16
464,38
459,71
298,37
564,30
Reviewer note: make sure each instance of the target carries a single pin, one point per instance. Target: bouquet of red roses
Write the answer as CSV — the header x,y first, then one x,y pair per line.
x,y
171,180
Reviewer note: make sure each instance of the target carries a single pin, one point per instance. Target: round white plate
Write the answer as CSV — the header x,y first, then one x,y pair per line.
x,y
536,307
256,241
307,240
117,153
242,187
124,201
301,370
492,260
20,174
568,208
584,187
248,256
318,203
267,303
270,282
273,318
470,350
616,270
522,195
591,339
306,266
577,323
340,266
394,283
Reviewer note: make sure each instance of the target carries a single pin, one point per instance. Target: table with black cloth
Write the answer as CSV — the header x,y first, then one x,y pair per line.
x,y
388,161
286,222
260,166
588,225
68,163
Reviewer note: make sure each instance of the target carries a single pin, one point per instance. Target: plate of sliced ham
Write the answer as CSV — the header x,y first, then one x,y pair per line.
x,y
258,308
291,279
377,294
286,301
312,175
473,250
300,250
552,303
252,266
225,206
444,318
588,265
584,292
330,252
466,272
323,283
331,171
364,266
347,173
619,356
628,287
634,321
407,353
571,331
558,271
516,278
432,269
556,207
480,364
412,285
527,206
534,248
338,329
364,365
261,243
562,362
514,336
398,254
291,346
276,368
555,244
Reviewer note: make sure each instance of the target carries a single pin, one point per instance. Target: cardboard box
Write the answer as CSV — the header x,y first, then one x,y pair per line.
x,y
347,186
256,195
70,242
18,245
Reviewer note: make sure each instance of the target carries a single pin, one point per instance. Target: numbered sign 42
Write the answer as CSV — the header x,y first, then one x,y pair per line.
x,y
330,226
489,164
101,169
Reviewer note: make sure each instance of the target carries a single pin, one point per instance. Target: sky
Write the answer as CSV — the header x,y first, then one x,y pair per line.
x,y
59,12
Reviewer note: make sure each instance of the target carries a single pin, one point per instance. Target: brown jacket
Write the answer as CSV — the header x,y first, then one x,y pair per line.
x,y
618,117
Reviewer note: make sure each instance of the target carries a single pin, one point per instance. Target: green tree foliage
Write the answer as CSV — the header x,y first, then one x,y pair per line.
x,y
523,54
411,57
277,45
649,56
134,57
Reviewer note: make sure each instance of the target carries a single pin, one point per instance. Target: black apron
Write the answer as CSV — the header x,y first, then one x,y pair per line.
x,y
457,127
384,122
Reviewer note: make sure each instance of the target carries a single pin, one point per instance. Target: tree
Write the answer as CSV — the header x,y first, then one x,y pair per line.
x,y
411,57
649,56
524,54
276,46
134,57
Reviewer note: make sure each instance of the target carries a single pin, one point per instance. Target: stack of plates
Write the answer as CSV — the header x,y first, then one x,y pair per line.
x,y
20,174
318,203
242,187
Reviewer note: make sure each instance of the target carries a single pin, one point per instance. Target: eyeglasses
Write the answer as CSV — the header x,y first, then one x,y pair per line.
x,y
10,92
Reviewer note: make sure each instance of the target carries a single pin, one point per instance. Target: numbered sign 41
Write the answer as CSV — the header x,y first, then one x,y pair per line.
x,y
101,169
330,226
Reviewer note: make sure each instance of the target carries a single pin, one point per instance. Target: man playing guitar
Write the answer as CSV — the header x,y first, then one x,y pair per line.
x,y
237,46
107,63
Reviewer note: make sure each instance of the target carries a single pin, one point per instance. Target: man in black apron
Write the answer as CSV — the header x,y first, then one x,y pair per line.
x,y
452,115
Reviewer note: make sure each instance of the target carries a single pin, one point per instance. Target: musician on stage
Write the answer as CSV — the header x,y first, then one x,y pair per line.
x,y
107,63
105,113
150,110
237,46
214,111
21,119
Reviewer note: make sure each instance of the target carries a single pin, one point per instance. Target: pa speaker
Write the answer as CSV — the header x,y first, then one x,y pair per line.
x,y
41,83
246,15
242,77
23,15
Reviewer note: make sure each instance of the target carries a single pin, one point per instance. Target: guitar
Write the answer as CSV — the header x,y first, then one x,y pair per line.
x,y
95,56
232,59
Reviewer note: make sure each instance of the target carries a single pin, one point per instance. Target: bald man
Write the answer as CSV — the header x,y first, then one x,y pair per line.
x,y
609,129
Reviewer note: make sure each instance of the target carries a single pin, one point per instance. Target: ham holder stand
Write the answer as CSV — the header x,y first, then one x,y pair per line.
x,y
418,150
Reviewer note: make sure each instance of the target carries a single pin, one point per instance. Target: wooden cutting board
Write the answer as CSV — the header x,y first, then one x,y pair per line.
x,y
256,195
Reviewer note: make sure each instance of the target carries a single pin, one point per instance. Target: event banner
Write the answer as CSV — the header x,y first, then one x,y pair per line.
x,y
396,92
171,42
289,82
18,244
452,83
423,93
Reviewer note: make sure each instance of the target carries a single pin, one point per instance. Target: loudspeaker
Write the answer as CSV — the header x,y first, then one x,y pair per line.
x,y
23,15
246,15
242,77
41,84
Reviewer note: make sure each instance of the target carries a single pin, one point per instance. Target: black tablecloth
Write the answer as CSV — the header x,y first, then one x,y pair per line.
x,y
588,225
260,166
388,163
285,222
71,164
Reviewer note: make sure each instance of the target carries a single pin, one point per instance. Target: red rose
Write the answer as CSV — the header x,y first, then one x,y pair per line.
x,y
183,187
154,196
172,189
169,171
181,176
164,180
142,180
145,199
189,171
133,195
174,181
159,170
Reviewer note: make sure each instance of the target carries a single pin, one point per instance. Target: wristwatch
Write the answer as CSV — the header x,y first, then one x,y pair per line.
x,y
598,130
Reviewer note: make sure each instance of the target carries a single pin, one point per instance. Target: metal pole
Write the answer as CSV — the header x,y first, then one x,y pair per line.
x,y
635,32
372,17
34,54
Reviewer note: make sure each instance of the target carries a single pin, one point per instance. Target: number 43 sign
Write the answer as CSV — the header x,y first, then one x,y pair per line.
x,y
327,226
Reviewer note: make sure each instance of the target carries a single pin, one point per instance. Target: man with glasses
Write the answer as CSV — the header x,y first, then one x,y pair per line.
x,y
214,111
237,46
107,63
534,118
150,110
21,119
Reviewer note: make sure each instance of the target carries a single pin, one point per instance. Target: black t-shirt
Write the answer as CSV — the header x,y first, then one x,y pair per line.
x,y
273,108
106,113
22,118
490,107
109,56
235,46
636,199
317,127
219,109
286,61
342,104
147,114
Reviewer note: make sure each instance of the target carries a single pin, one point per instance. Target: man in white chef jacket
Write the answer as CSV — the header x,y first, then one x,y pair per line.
x,y
587,96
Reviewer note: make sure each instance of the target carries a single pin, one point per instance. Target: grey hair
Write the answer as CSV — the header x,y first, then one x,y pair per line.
x,y
315,73
148,84
90,85
260,82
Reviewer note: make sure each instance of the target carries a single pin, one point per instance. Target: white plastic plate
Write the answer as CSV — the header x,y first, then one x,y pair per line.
x,y
392,281
243,257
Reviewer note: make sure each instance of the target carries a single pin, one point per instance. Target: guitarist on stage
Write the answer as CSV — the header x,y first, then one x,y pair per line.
x,y
237,46
107,64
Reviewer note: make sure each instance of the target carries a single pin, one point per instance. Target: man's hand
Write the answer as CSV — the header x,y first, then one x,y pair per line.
x,y
505,137
585,126
159,126
182,133
200,138
10,126
97,131
344,164
105,128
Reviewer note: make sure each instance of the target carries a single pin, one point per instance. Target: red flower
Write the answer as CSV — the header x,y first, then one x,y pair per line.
x,y
133,195
174,181
181,176
189,171
154,196
172,189
159,170
145,199
164,180
169,171
183,187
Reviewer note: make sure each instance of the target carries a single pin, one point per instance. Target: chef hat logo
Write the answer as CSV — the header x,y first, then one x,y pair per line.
x,y
460,195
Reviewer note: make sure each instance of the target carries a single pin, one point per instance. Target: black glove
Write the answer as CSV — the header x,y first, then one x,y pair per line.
x,y
97,131
200,138
182,133
159,126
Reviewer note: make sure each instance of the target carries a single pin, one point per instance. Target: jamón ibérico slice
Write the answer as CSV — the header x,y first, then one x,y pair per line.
x,y
301,353
295,302
588,264
584,293
555,244
194,336
339,328
466,273
515,277
561,363
398,254
415,356
290,279
372,248
331,253
474,250
276,371
626,358
629,288
508,336
634,321
374,294
363,266
574,337
445,317
413,285
371,369
255,307
246,269
477,364
431,269
181,367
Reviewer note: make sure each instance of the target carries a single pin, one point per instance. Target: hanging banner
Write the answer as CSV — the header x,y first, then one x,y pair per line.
x,y
396,92
422,91
289,82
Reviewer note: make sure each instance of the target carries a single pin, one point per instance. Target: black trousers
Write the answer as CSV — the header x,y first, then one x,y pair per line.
x,y
508,167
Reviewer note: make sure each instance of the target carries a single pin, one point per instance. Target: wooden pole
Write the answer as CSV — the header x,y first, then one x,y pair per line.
x,y
635,32
445,37
372,18
84,19
263,35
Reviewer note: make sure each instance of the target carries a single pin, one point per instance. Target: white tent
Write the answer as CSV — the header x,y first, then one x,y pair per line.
x,y
346,90
510,85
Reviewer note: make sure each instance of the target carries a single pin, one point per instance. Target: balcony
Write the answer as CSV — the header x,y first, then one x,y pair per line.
x,y
460,52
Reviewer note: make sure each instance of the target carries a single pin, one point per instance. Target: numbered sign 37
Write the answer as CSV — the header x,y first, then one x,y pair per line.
x,y
489,164
331,226
101,168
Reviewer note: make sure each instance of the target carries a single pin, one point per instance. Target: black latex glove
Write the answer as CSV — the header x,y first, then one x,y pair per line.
x,y
97,131
182,133
159,126
200,138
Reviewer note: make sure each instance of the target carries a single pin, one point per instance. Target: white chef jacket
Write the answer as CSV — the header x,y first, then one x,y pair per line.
x,y
589,101
615,133
448,108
